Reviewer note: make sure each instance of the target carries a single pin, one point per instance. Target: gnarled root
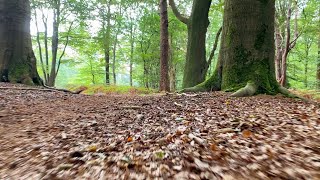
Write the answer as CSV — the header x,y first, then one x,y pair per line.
x,y
194,89
249,90
287,93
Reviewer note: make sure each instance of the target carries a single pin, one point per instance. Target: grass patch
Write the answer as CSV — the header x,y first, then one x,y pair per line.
x,y
110,90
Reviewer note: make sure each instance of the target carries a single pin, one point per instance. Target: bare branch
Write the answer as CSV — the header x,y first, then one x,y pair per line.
x,y
40,48
214,47
64,49
177,13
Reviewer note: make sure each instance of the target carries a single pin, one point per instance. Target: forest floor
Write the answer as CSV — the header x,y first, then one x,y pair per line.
x,y
57,135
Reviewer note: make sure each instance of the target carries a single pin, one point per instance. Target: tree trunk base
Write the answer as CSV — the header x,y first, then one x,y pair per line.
x,y
249,90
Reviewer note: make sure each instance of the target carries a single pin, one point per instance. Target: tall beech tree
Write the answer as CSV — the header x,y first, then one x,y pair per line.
x,y
246,58
164,47
17,60
196,65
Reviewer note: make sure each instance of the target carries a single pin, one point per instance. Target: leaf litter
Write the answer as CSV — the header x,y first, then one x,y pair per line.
x,y
56,135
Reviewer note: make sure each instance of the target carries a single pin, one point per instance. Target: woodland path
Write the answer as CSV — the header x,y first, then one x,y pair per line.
x,y
57,135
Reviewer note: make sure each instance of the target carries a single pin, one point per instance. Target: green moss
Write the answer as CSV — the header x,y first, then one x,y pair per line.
x,y
211,84
245,69
20,74
235,74
264,1
260,37
230,34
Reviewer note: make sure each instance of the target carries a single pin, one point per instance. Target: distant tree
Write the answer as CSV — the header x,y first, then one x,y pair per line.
x,y
318,60
17,60
164,47
106,28
246,55
52,47
285,42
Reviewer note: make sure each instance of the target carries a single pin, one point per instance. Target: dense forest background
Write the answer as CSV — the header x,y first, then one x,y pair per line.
x,y
73,40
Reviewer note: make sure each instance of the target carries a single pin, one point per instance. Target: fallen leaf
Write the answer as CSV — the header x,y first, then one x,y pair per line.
x,y
246,133
129,139
214,147
92,148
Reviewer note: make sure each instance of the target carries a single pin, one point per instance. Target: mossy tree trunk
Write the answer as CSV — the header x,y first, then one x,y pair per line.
x,y
17,60
246,58
195,67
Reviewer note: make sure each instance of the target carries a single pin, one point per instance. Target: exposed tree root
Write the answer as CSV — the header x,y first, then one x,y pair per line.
x,y
39,89
249,90
194,89
63,90
287,93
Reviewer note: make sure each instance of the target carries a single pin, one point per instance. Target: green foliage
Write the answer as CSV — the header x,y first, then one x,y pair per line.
x,y
135,29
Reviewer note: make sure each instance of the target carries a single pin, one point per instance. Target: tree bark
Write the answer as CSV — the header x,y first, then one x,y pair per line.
x,y
197,23
318,63
246,57
172,66
114,60
164,47
283,79
318,60
17,60
55,42
284,44
107,32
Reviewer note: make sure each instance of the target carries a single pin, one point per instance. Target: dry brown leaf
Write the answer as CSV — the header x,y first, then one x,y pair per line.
x,y
129,139
246,133
214,147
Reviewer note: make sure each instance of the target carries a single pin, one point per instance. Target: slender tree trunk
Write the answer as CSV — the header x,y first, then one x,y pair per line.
x,y
17,60
145,73
215,45
318,63
164,47
107,43
131,52
45,23
40,50
278,57
283,79
246,57
114,60
172,66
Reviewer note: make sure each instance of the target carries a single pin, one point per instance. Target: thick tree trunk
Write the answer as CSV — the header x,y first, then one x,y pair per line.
x,y
17,60
164,47
246,57
197,23
195,66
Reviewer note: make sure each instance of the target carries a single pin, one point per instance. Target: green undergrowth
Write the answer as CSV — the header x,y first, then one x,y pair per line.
x,y
110,90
